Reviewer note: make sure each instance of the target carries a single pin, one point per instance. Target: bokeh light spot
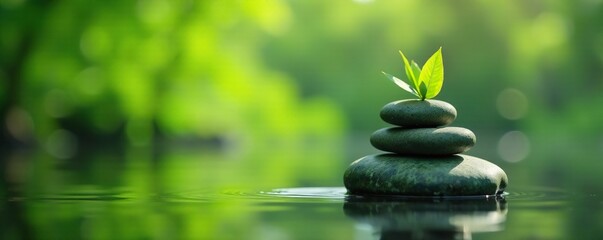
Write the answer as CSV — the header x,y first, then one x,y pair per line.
x,y
20,124
90,81
512,104
514,146
62,144
95,43
154,11
57,103
550,30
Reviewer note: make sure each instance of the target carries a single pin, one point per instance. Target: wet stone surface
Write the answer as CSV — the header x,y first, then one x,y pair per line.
x,y
423,141
424,156
456,175
416,113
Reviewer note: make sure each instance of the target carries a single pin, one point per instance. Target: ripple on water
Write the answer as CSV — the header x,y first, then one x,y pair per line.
x,y
308,192
528,197
341,194
275,195
537,193
521,197
541,197
80,196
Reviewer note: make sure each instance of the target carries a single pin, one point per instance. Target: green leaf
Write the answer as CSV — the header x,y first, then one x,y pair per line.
x,y
411,74
416,71
423,90
432,74
402,84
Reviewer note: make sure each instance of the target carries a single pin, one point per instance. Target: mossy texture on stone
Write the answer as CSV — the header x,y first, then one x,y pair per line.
x,y
418,113
456,175
423,141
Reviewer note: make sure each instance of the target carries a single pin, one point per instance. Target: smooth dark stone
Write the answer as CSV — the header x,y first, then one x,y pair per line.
x,y
423,141
418,113
457,175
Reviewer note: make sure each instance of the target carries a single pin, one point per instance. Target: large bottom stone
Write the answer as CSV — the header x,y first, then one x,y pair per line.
x,y
456,175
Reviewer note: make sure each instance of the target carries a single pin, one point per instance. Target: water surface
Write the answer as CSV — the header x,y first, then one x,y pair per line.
x,y
134,195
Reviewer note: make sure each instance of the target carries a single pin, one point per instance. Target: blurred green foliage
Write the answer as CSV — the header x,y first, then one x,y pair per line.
x,y
177,68
246,69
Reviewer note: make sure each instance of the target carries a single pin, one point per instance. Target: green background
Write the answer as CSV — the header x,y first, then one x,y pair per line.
x,y
137,98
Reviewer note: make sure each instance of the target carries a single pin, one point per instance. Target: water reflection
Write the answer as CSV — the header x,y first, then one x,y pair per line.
x,y
196,193
428,218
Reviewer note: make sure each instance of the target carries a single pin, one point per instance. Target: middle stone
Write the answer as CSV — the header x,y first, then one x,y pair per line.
x,y
423,141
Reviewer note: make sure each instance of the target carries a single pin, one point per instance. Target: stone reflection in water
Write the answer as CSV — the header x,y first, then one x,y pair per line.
x,y
393,218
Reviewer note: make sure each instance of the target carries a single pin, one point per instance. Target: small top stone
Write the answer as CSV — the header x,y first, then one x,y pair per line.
x,y
418,113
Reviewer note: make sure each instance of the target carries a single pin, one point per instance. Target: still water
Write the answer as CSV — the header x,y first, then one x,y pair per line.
x,y
203,194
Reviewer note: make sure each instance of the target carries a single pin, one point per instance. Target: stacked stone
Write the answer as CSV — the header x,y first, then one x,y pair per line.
x,y
424,156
